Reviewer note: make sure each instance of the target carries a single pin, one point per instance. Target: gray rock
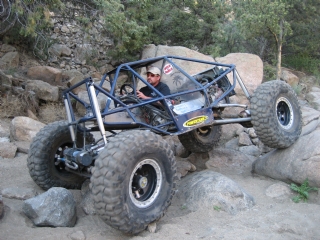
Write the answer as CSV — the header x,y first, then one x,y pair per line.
x,y
8,150
244,139
294,164
252,133
43,90
207,189
183,167
181,151
65,29
87,203
232,144
310,127
24,128
229,131
223,158
22,146
278,190
289,77
310,120
314,99
309,115
250,150
152,227
60,50
78,235
10,60
4,131
4,139
54,208
18,193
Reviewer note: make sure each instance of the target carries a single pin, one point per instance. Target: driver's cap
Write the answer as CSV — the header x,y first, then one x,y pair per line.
x,y
154,70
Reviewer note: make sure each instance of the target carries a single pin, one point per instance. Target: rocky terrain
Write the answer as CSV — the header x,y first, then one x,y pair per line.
x,y
239,190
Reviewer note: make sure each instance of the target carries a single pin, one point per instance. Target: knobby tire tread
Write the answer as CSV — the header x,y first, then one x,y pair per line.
x,y
264,116
110,172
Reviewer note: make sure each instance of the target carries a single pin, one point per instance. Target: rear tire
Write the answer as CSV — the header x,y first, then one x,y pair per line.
x,y
276,115
201,139
133,180
46,146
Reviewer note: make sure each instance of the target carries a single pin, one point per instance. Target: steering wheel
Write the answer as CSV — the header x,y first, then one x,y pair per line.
x,y
126,89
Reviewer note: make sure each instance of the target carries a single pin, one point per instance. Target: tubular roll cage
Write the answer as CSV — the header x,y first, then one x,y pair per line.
x,y
95,89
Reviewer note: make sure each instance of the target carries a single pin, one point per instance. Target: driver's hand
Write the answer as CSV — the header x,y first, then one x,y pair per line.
x,y
141,95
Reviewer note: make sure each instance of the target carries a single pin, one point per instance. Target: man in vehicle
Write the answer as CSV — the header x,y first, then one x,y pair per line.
x,y
153,77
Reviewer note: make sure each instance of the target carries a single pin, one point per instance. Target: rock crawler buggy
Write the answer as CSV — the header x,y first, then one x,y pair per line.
x,y
131,168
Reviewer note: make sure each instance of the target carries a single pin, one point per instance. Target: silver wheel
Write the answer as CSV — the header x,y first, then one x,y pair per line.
x,y
145,183
284,112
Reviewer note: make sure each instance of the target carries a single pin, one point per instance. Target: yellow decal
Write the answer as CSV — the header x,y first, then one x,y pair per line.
x,y
195,121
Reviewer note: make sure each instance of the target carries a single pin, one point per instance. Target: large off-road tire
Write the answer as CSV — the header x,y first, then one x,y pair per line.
x,y
46,146
133,180
201,139
276,115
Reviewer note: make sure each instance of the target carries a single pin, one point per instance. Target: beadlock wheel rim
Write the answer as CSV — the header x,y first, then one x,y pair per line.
x,y
145,183
284,113
204,131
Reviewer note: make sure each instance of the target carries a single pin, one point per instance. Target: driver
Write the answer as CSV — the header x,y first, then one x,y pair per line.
x,y
153,77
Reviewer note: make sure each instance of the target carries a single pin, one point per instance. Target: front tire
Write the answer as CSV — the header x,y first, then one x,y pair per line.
x,y
133,180
276,115
201,139
46,147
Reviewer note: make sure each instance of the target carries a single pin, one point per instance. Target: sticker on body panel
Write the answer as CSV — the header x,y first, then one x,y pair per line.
x,y
168,68
195,121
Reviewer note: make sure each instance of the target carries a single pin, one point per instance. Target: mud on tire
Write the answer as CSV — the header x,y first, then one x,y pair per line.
x,y
276,115
46,146
133,180
202,139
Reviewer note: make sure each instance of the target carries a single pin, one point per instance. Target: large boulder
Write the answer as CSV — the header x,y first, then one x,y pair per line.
x,y
310,119
208,189
43,90
297,163
250,68
152,50
24,128
47,74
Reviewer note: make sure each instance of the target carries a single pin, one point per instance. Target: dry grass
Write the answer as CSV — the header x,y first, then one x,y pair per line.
x,y
52,112
17,105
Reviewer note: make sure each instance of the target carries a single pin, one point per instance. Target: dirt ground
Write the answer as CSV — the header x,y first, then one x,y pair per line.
x,y
270,218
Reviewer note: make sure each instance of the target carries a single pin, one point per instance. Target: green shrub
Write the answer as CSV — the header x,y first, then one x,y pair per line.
x,y
269,72
303,63
302,190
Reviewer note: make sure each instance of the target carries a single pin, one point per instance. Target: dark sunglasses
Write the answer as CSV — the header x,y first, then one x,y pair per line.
x,y
151,75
